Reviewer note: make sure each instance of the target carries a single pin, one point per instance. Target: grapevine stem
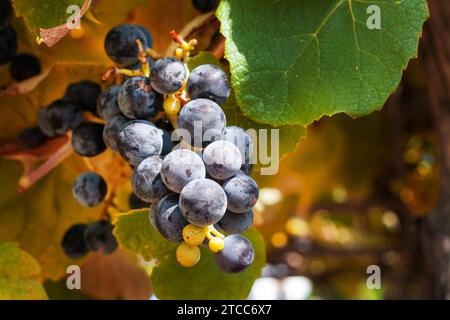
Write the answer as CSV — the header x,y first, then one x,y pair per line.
x,y
60,155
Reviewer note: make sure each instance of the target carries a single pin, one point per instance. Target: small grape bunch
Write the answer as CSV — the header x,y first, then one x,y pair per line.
x,y
189,168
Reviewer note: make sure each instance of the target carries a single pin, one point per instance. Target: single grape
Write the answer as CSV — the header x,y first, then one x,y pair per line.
x,y
167,75
148,35
87,139
6,11
193,235
84,94
73,243
111,132
233,222
180,167
89,189
222,159
203,202
188,256
8,44
152,213
146,180
168,220
99,237
203,120
164,124
242,193
209,82
135,202
32,138
240,139
59,117
139,139
120,44
24,66
137,99
107,103
216,244
237,254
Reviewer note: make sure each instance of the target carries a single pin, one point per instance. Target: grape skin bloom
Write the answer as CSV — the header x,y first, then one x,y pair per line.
x,y
237,254
87,139
204,117
209,82
167,75
180,167
203,202
168,220
222,159
233,222
139,139
89,189
146,180
242,193
111,132
137,99
107,103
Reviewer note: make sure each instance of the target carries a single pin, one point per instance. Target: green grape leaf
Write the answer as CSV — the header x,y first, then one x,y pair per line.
x,y
172,281
289,136
293,61
135,233
17,269
44,14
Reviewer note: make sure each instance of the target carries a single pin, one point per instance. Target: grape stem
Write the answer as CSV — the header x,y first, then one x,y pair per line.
x,y
30,176
210,232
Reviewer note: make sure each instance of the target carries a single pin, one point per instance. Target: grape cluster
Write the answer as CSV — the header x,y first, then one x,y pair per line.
x,y
80,239
189,168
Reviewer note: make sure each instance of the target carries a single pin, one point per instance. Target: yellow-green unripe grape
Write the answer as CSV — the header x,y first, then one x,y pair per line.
x,y
216,244
193,235
188,256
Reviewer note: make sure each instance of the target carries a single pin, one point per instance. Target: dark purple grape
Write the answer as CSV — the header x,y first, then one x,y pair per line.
x,y
24,66
242,193
209,82
59,117
233,222
237,254
146,180
204,120
111,132
73,243
89,189
120,44
137,99
167,75
139,139
84,94
87,139
180,167
168,220
107,103
99,237
203,202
